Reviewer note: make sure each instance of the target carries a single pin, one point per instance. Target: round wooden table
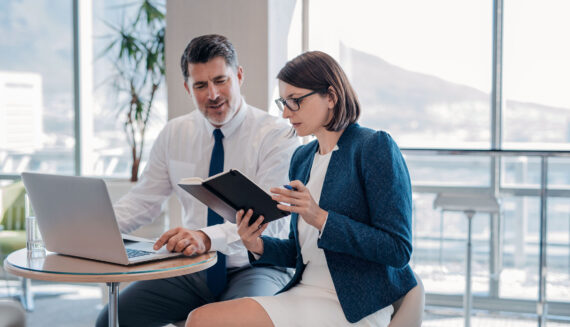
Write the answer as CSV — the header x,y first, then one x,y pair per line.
x,y
61,268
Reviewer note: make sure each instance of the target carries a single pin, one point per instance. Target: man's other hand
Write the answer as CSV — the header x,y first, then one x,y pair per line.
x,y
184,240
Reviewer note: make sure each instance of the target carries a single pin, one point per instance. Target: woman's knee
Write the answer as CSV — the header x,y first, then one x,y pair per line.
x,y
198,317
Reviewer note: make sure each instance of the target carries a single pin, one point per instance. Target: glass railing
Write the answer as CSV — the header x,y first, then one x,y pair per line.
x,y
511,250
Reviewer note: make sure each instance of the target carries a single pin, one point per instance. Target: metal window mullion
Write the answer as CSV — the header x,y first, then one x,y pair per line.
x,y
496,144
497,73
82,84
76,89
542,308
9,176
305,27
305,42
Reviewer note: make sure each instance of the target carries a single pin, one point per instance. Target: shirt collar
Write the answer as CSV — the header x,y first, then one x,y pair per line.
x,y
230,127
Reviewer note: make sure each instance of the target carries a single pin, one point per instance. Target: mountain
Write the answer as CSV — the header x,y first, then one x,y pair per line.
x,y
417,107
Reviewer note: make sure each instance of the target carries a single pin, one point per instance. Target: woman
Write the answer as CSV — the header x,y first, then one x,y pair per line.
x,y
350,199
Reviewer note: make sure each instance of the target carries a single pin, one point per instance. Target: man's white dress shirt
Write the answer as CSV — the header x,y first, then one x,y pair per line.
x,y
255,143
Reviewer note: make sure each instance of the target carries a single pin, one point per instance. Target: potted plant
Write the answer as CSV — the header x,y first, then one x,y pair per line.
x,y
137,52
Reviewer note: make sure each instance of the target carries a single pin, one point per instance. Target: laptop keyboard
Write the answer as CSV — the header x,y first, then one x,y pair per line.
x,y
132,253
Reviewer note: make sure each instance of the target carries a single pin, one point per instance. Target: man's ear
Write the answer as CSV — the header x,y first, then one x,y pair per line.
x,y
239,74
187,88
333,97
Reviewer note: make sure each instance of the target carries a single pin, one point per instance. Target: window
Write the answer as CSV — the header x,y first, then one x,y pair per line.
x,y
111,154
36,86
423,72
37,94
424,78
536,75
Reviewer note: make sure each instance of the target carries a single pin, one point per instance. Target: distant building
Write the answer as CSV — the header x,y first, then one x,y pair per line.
x,y
21,106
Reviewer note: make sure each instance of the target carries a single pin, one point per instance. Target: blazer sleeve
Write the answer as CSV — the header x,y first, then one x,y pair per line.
x,y
387,187
276,252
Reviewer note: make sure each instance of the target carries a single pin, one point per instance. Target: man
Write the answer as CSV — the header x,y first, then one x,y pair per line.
x,y
223,133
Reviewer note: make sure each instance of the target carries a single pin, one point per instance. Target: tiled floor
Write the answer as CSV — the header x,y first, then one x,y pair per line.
x,y
59,305
77,305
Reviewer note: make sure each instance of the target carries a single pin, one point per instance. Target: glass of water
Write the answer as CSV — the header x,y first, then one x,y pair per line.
x,y
34,242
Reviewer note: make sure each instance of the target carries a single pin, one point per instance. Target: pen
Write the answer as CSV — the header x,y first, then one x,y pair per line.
x,y
289,187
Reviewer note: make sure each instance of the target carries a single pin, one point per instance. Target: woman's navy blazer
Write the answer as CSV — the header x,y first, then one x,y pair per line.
x,y
367,239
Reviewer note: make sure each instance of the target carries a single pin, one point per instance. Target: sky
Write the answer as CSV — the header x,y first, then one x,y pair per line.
x,y
36,36
447,38
452,39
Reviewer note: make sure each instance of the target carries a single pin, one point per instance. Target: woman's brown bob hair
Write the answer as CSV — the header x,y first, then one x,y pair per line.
x,y
316,70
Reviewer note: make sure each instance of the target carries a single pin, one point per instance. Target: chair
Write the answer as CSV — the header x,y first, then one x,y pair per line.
x,y
11,314
12,218
409,310
469,204
13,231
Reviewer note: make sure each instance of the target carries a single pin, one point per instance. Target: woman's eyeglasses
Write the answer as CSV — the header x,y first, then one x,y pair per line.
x,y
294,104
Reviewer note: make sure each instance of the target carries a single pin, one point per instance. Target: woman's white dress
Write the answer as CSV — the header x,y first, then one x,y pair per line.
x,y
314,302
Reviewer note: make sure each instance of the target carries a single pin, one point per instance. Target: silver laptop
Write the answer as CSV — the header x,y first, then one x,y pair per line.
x,y
75,217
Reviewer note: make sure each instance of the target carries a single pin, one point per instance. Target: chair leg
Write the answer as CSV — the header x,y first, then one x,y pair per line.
x,y
27,295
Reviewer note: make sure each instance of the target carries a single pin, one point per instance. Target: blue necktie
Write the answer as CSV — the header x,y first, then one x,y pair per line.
x,y
216,275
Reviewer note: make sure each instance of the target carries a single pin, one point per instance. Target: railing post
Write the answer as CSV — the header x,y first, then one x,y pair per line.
x,y
542,306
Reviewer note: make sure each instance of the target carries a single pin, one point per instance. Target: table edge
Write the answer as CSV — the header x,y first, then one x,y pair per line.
x,y
112,277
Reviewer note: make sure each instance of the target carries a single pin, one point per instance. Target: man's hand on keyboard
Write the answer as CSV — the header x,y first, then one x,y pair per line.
x,y
184,240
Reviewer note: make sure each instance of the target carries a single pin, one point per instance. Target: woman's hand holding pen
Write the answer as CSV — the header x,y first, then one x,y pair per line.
x,y
301,202
250,234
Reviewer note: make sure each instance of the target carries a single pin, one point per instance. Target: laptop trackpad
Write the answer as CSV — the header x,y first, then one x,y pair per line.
x,y
144,246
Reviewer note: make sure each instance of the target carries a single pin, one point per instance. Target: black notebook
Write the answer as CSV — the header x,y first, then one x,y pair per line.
x,y
230,191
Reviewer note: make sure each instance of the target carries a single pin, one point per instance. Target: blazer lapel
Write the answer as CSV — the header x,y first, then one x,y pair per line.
x,y
339,163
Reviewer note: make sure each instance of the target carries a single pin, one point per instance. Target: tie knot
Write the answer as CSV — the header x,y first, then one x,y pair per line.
x,y
218,135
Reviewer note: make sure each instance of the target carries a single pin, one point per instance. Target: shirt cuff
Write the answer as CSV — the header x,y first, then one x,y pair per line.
x,y
324,224
217,237
255,255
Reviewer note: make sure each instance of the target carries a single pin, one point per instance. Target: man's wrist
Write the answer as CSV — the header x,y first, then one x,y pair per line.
x,y
206,240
